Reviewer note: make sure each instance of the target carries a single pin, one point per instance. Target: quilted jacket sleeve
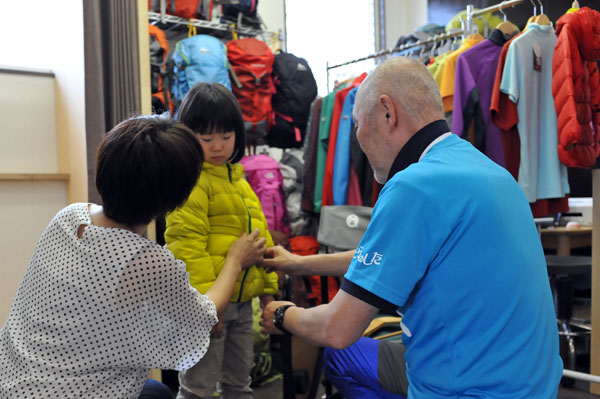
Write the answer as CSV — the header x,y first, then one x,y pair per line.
x,y
563,92
595,92
186,237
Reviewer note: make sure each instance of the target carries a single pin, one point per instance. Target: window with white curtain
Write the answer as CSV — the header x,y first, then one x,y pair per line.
x,y
333,31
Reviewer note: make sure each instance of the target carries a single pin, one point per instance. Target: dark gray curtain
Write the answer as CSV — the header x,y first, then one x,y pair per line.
x,y
112,74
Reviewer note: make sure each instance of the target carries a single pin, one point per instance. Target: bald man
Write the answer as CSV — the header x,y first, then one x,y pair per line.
x,y
452,247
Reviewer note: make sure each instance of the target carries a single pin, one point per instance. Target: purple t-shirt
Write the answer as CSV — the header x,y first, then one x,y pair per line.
x,y
473,84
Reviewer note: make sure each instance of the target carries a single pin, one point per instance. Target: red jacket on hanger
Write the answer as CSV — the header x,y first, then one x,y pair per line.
x,y
576,87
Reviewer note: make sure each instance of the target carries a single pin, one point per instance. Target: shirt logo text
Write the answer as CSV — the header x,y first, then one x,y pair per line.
x,y
366,259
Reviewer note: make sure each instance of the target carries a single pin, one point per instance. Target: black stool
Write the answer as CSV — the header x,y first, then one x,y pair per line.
x,y
561,269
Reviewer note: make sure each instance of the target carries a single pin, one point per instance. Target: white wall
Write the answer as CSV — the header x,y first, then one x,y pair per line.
x,y
402,17
273,14
43,127
53,40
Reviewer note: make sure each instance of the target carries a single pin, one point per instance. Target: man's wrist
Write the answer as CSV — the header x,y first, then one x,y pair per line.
x,y
278,317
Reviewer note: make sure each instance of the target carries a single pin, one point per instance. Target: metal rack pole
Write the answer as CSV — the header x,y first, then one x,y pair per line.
x,y
497,7
401,48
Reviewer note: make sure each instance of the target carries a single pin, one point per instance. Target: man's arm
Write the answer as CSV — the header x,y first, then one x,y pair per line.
x,y
278,258
337,324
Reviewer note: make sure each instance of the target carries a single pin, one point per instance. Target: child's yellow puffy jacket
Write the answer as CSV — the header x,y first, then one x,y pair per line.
x,y
220,208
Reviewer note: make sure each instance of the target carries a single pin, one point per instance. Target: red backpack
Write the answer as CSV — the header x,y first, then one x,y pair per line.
x,y
252,63
185,8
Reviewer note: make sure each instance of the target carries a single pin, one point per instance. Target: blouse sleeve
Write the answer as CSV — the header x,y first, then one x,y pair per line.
x,y
173,319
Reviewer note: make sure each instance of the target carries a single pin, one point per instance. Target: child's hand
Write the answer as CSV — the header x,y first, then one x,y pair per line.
x,y
248,250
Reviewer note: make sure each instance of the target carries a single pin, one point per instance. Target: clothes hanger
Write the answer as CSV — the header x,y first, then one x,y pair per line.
x,y
486,26
532,18
506,27
542,19
435,47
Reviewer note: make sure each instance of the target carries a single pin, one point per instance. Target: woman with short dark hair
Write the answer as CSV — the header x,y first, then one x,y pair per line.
x,y
100,304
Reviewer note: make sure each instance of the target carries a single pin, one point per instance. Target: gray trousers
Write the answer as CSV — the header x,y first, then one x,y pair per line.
x,y
227,364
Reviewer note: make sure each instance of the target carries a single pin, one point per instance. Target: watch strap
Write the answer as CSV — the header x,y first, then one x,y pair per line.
x,y
278,316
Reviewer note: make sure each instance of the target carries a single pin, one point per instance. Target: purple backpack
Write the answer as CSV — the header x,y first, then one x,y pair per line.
x,y
264,176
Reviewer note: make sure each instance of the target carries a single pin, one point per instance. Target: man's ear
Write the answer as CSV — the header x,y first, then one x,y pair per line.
x,y
391,116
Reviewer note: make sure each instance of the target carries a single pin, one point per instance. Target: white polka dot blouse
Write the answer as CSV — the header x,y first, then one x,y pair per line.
x,y
94,314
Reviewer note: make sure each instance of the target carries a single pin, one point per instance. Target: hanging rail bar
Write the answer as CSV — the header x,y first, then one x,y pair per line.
x,y
398,49
497,7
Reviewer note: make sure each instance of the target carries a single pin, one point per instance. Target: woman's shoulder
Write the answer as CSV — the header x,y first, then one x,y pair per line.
x,y
72,216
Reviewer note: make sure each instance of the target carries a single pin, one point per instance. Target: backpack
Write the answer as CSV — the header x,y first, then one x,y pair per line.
x,y
296,89
292,170
264,176
159,48
252,62
241,13
305,291
184,8
196,59
246,7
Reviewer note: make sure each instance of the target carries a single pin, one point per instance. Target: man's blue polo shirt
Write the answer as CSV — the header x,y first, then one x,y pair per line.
x,y
452,246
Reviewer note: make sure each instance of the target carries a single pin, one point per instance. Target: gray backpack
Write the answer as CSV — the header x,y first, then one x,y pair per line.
x,y
342,226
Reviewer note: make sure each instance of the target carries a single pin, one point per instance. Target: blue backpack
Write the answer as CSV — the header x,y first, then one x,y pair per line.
x,y
196,59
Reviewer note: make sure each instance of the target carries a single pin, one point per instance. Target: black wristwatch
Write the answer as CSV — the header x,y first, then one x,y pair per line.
x,y
278,318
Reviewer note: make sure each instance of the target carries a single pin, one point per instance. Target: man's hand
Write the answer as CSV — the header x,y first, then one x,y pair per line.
x,y
248,250
280,259
266,320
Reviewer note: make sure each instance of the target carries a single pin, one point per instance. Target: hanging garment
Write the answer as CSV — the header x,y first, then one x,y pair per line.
x,y
474,81
310,156
527,79
449,69
576,87
341,167
340,97
322,143
362,168
504,114
436,67
483,22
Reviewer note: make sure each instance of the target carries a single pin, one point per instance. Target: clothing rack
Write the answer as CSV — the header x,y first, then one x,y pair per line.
x,y
407,46
471,14
469,28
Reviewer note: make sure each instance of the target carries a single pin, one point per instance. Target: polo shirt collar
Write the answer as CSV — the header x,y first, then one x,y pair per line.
x,y
414,147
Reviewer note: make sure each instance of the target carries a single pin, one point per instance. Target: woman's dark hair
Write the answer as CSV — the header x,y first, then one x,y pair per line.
x,y
146,166
212,108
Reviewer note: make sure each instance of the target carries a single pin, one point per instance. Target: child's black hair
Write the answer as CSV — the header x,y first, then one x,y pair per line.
x,y
212,108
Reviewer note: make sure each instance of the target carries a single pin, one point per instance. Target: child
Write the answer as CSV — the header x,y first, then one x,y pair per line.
x,y
100,304
220,208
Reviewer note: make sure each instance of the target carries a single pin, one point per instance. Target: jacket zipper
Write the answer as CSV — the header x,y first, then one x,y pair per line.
x,y
239,299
